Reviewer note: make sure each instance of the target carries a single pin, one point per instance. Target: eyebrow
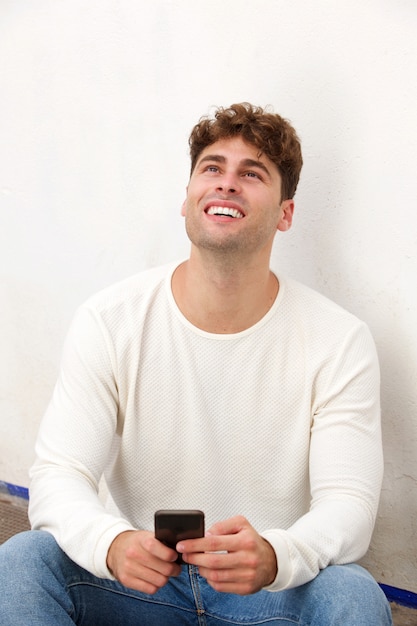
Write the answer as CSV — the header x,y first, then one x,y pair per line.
x,y
218,158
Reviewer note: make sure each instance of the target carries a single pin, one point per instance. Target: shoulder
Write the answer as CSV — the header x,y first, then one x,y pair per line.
x,y
330,338
130,291
318,315
311,301
123,306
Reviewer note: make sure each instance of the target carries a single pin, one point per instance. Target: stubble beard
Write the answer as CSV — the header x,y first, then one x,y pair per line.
x,y
228,246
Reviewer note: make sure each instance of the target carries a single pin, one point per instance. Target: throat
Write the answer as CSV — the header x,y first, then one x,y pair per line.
x,y
222,307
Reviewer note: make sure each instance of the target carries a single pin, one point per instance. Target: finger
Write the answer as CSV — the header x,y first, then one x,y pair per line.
x,y
212,561
230,526
151,555
147,574
210,543
230,581
226,575
240,589
160,550
144,580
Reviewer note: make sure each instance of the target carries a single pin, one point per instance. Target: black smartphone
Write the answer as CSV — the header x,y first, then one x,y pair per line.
x,y
171,526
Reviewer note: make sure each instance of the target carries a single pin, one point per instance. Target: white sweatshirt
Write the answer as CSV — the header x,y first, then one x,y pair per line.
x,y
279,423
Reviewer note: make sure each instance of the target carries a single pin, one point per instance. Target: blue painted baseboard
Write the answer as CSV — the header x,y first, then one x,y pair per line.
x,y
14,490
400,596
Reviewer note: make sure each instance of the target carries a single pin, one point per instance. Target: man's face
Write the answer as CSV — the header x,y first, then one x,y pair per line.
x,y
234,199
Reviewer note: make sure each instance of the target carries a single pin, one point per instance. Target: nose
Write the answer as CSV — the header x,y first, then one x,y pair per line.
x,y
228,183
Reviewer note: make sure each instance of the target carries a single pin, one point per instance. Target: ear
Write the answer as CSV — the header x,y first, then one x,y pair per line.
x,y
184,204
287,212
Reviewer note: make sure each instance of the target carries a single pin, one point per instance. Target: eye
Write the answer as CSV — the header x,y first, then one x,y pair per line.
x,y
212,168
252,175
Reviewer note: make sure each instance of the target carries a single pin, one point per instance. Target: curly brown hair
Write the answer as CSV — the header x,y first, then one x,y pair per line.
x,y
269,132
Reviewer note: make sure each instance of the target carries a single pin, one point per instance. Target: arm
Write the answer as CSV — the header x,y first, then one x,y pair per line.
x,y
345,462
74,445
346,467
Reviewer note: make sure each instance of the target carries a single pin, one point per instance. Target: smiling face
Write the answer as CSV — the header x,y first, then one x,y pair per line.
x,y
233,199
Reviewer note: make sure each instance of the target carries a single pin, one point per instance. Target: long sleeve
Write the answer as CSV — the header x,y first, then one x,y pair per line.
x,y
74,446
279,423
345,466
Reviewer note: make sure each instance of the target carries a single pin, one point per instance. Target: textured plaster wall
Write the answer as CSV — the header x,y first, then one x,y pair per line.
x,y
96,103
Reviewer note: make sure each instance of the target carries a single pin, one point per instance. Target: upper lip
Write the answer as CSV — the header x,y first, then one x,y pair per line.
x,y
223,203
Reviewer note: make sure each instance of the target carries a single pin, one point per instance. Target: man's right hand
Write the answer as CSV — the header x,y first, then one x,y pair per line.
x,y
139,561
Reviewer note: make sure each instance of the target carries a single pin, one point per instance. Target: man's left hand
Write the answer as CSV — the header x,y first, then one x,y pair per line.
x,y
232,556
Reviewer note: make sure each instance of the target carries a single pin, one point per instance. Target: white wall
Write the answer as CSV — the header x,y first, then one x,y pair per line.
x,y
96,103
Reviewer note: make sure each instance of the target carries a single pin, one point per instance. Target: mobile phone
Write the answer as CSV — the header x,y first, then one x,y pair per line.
x,y
172,526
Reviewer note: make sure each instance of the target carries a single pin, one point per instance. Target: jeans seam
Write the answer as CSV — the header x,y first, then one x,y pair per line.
x,y
126,593
195,587
267,620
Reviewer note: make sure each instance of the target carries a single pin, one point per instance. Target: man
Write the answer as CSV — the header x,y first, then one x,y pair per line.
x,y
211,384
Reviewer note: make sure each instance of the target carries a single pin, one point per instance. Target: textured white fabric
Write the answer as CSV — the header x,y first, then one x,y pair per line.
x,y
279,423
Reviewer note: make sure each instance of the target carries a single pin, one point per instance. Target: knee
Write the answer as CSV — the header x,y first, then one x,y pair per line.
x,y
349,579
351,590
27,548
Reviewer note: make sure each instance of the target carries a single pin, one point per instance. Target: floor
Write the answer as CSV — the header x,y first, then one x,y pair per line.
x,y
13,519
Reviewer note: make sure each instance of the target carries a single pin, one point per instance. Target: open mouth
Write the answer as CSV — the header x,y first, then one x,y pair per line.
x,y
226,211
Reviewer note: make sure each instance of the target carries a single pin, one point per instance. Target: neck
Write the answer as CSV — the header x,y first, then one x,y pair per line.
x,y
223,297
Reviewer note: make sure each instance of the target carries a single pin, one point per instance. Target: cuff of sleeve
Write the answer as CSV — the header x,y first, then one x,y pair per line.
x,y
284,574
102,547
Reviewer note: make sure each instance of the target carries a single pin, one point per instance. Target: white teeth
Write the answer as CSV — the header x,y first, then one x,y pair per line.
x,y
222,210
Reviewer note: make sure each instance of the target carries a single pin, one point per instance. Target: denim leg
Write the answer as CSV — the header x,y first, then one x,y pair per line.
x,y
30,592
344,595
41,586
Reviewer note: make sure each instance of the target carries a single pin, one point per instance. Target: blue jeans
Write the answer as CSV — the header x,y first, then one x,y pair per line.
x,y
41,586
